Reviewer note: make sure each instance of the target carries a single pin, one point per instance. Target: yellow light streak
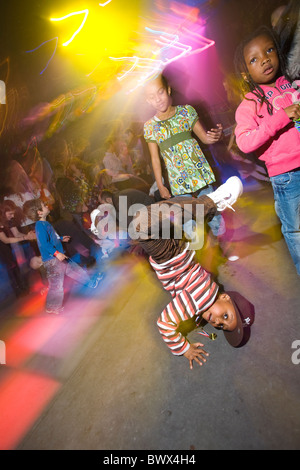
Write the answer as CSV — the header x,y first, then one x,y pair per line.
x,y
104,4
85,12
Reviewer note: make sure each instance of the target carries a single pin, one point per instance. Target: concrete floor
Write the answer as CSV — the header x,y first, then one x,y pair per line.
x,y
99,376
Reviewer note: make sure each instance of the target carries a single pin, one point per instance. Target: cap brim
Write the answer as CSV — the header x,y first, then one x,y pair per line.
x,y
241,334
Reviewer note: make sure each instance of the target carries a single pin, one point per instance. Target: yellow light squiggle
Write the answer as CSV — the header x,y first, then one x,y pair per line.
x,y
85,12
104,4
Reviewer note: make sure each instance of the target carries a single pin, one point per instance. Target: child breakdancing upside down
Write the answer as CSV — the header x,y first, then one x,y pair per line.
x,y
195,295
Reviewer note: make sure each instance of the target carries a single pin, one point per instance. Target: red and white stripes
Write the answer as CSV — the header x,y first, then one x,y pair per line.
x,y
192,290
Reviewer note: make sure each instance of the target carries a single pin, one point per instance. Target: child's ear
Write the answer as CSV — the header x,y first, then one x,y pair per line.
x,y
224,296
169,90
244,77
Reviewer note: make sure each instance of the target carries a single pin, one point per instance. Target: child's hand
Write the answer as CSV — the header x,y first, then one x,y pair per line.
x,y
195,354
293,111
66,238
61,256
214,134
31,235
164,192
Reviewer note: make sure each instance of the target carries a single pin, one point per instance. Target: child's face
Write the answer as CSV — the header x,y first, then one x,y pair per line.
x,y
44,211
221,314
10,215
261,59
157,96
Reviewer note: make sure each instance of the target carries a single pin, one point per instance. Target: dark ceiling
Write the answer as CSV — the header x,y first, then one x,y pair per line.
x,y
24,25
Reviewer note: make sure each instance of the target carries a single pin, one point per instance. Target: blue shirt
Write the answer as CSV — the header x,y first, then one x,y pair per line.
x,y
48,240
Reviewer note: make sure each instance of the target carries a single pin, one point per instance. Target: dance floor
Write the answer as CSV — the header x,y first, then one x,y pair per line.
x,y
99,376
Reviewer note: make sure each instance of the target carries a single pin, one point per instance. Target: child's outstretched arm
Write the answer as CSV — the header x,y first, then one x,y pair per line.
x,y
168,323
208,137
9,240
156,165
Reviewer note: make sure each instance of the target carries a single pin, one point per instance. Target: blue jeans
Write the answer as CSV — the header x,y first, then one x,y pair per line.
x,y
217,223
56,271
286,189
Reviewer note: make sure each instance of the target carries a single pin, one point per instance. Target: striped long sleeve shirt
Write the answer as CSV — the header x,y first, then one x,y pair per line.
x,y
191,287
192,290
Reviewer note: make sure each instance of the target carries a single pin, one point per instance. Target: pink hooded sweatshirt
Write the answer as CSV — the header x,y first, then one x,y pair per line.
x,y
273,138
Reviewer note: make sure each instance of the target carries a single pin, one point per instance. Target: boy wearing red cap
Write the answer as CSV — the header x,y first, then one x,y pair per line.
x,y
195,295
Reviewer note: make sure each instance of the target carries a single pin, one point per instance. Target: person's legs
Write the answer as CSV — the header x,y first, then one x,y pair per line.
x,y
286,188
16,280
162,249
193,229
217,223
55,271
224,197
76,272
218,229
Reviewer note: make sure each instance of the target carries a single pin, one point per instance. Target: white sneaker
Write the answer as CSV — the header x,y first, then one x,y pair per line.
x,y
227,194
93,284
233,258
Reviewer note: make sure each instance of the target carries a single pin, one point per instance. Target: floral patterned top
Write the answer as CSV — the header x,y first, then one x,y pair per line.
x,y
187,167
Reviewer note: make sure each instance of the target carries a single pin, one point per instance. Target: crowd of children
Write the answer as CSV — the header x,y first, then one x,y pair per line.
x,y
45,221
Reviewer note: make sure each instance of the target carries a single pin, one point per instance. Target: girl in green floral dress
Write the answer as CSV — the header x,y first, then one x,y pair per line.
x,y
169,133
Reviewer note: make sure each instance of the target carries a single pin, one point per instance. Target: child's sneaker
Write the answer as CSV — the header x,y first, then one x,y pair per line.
x,y
233,258
227,194
56,311
93,284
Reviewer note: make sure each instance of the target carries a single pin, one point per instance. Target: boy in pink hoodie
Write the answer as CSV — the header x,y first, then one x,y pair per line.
x,y
265,124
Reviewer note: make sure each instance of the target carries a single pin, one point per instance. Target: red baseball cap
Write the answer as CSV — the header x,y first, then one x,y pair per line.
x,y
245,317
